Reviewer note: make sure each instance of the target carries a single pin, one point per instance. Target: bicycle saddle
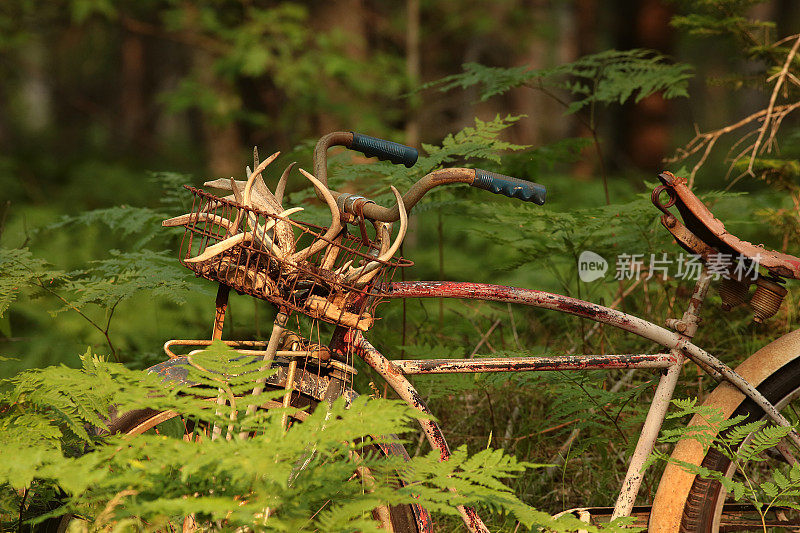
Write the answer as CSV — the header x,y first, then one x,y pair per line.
x,y
701,222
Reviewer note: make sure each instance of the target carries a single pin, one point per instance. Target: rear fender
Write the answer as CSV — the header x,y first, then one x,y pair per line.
x,y
676,482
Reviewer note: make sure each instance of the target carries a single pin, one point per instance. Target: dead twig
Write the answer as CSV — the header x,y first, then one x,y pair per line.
x,y
484,338
769,121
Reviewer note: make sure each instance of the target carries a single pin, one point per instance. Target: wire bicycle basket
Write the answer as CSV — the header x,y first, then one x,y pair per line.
x,y
286,262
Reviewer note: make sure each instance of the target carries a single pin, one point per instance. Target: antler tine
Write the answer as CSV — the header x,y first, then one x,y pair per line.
x,y
255,156
237,195
384,231
190,218
281,186
259,233
403,227
224,183
248,189
280,225
221,246
262,198
333,230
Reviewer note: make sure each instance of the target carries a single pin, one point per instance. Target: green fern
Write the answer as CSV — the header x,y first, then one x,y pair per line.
x,y
304,476
608,77
732,18
21,270
744,443
109,281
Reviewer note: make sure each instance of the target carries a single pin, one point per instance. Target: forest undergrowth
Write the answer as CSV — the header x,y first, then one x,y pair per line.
x,y
527,445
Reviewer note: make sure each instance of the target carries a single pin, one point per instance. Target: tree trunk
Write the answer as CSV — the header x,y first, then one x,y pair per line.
x,y
644,138
132,103
223,144
412,70
585,42
349,18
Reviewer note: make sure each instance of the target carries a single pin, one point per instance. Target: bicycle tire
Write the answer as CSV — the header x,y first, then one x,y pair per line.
x,y
404,518
703,507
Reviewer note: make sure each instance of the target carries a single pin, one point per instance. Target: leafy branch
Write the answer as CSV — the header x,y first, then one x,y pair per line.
x,y
106,284
605,78
147,481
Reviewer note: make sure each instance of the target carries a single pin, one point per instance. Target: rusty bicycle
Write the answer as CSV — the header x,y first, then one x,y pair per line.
x,y
246,241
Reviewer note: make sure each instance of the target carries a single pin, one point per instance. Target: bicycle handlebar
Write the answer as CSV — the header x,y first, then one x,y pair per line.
x,y
384,150
527,191
397,153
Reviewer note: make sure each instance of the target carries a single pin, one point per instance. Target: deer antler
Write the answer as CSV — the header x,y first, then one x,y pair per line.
x,y
262,188
333,230
281,186
258,234
190,218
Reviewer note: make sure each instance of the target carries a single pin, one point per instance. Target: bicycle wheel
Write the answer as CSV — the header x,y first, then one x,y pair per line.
x,y
708,507
400,518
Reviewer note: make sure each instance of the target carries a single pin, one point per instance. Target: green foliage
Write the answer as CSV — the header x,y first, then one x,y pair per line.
x,y
581,401
276,45
109,281
601,79
296,480
20,270
710,421
105,284
471,143
546,232
122,220
608,77
731,18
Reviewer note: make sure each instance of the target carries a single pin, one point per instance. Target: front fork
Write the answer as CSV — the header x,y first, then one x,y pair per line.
x,y
407,392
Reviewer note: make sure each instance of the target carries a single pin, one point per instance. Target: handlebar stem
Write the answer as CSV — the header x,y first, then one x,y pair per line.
x,y
337,138
410,198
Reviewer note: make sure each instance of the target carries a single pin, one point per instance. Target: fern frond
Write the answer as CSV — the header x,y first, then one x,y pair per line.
x,y
611,76
109,281
22,270
761,441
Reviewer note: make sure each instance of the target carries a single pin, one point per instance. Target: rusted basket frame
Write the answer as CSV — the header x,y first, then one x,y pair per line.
x,y
314,286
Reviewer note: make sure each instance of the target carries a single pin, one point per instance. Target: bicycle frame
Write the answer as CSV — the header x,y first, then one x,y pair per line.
x,y
669,364
348,341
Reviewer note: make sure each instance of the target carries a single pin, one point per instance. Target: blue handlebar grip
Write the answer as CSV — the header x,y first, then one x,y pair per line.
x,y
384,150
526,191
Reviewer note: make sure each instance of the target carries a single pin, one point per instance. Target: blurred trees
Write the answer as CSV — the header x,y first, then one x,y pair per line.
x,y
94,93
193,85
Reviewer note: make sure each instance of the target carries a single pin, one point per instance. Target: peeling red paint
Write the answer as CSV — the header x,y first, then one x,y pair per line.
x,y
531,364
534,298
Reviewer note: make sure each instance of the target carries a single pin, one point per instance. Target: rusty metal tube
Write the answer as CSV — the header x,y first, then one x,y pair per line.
x,y
532,364
269,354
647,440
660,404
598,313
409,394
